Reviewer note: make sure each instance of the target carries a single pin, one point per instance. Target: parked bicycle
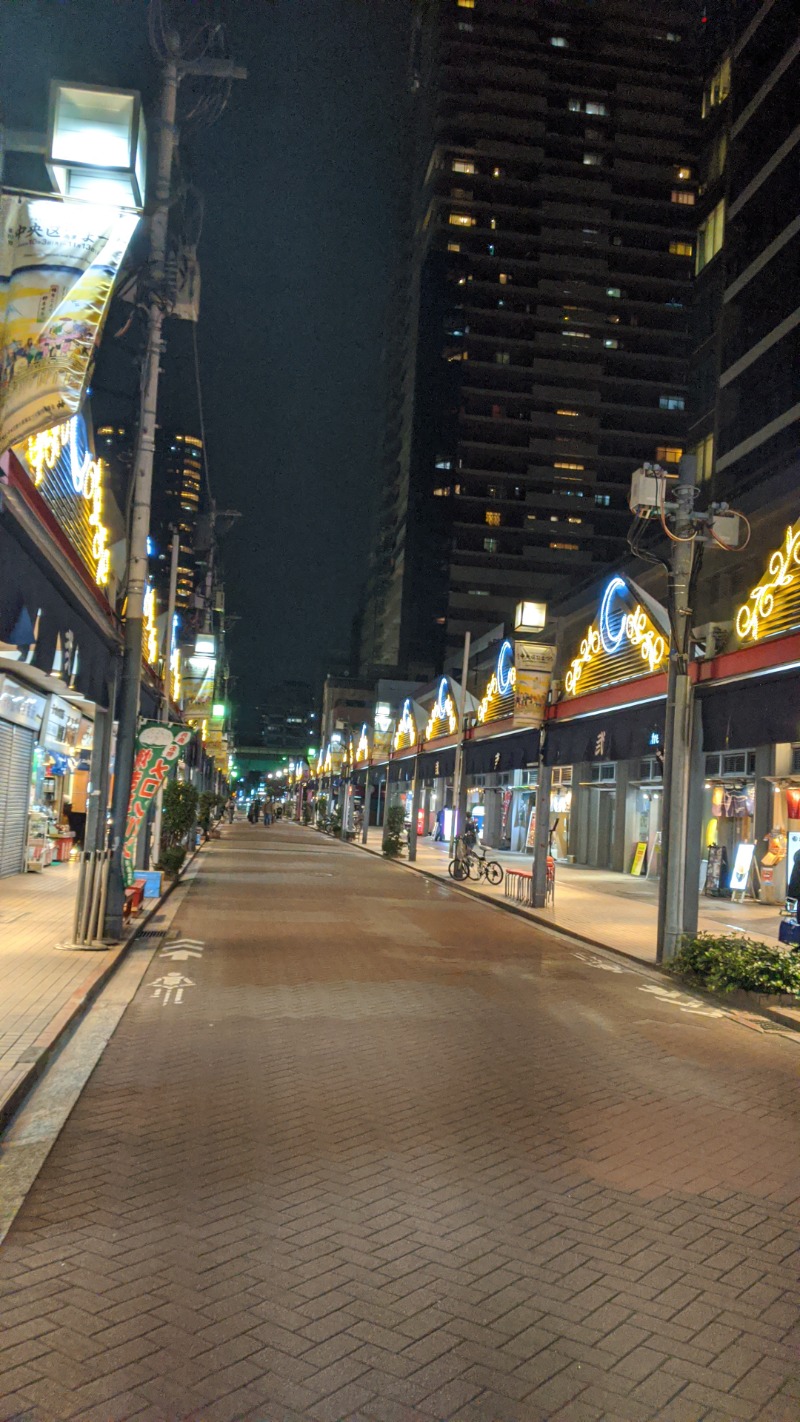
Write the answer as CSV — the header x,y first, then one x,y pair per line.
x,y
470,863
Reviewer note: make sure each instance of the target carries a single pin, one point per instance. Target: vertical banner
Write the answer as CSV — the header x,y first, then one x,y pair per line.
x,y
534,662
158,746
58,262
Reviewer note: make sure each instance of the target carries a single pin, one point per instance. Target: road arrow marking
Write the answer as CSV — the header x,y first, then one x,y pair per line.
x,y
181,955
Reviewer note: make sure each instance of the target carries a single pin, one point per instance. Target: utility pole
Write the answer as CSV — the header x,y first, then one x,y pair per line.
x,y
541,842
458,770
174,69
173,597
678,722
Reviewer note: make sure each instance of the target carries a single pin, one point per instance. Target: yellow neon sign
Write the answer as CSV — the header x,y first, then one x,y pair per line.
x,y
42,453
443,718
614,631
362,749
765,604
406,733
150,630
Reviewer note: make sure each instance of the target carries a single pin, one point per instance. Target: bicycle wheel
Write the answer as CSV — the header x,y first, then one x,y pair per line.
x,y
494,872
457,869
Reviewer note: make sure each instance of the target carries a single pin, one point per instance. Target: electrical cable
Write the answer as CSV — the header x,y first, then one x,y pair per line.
x,y
661,479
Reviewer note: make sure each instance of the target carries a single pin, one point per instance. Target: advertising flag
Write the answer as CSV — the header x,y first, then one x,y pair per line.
x,y
58,262
158,746
534,663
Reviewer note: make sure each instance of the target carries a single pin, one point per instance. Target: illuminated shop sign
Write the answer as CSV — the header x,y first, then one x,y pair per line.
x,y
71,483
773,605
498,698
443,720
362,749
406,733
621,644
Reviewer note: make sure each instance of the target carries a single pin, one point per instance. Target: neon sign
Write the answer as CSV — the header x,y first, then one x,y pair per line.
x,y
43,454
770,606
149,629
443,719
362,749
607,647
498,698
406,733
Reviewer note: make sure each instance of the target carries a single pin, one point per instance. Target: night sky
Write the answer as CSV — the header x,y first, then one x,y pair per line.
x,y
298,243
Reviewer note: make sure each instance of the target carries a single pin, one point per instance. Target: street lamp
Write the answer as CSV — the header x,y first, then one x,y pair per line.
x,y
97,144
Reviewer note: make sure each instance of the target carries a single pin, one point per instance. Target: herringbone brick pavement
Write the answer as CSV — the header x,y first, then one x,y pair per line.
x,y
398,1156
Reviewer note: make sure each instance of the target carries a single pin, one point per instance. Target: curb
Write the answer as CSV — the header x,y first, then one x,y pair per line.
x,y
780,1015
52,1039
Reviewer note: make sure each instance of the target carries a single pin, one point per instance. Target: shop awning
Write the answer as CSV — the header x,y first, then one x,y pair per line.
x,y
762,711
628,734
494,754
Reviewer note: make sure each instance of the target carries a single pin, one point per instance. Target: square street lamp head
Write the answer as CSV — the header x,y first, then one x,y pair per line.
x,y
530,617
97,144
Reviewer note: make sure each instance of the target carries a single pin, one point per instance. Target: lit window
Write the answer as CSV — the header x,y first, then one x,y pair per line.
x,y
591,159
613,291
502,358
575,106
493,223
567,464
704,454
454,246
710,236
678,195
668,454
554,518
493,518
571,413
683,174
442,493
718,88
602,500
444,464
490,545
464,219
595,108
579,335
558,42
466,4
671,402
681,249
462,165
497,172
574,520
567,547
478,592
504,278
610,345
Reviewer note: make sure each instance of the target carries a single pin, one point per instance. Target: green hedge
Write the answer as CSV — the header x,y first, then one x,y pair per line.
x,y
725,962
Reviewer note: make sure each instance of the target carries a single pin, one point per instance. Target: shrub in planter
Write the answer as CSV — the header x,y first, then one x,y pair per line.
x,y
724,962
171,860
393,831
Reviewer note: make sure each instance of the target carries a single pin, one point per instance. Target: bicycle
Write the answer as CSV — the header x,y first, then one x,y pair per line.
x,y
466,864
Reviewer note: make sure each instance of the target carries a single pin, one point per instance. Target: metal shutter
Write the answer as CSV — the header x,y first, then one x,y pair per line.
x,y
16,756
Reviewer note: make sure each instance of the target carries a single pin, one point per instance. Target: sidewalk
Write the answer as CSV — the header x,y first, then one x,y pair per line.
x,y
43,989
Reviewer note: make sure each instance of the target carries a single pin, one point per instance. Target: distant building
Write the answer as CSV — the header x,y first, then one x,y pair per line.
x,y
289,719
177,484
539,342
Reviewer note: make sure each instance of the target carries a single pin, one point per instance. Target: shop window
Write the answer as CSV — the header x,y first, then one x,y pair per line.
x,y
604,771
651,769
796,760
679,195
710,236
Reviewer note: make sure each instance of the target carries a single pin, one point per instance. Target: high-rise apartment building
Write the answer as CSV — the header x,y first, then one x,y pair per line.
x,y
177,482
546,310
746,388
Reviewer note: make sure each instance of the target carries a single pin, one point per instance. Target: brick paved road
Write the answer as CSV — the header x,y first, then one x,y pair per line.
x,y
397,1155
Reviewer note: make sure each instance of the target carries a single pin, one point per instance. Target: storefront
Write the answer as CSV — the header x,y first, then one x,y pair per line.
x,y
21,714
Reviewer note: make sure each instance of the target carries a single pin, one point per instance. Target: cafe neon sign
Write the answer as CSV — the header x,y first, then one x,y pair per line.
x,y
770,606
362,749
501,686
42,453
406,733
443,719
614,631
